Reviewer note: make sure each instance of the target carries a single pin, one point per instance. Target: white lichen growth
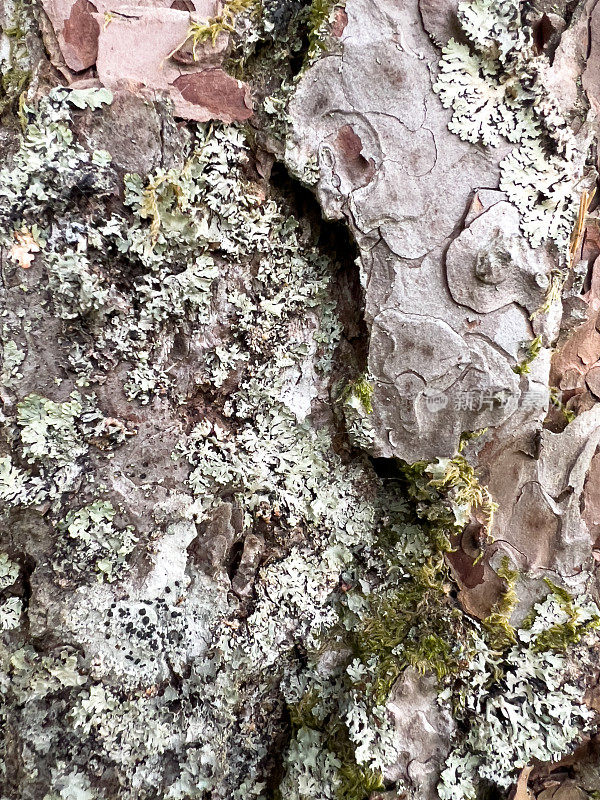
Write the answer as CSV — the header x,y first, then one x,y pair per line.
x,y
11,359
519,706
53,440
10,606
16,486
92,543
495,88
179,679
311,772
48,430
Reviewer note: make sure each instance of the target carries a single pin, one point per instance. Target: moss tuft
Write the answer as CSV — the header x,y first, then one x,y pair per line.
x,y
500,633
14,82
200,32
15,63
533,351
356,781
361,390
561,636
415,626
318,16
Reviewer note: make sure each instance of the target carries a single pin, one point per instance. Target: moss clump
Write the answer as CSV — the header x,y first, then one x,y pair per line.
x,y
318,16
14,82
468,436
460,480
359,391
415,622
533,351
446,494
500,633
301,713
558,403
561,636
415,626
356,781
200,32
14,68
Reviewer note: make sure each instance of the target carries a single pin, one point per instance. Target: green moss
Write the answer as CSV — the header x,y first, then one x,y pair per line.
x,y
560,637
15,71
557,402
446,493
356,781
563,597
415,622
414,625
301,713
553,294
500,633
14,82
318,16
360,391
459,477
209,31
533,351
468,436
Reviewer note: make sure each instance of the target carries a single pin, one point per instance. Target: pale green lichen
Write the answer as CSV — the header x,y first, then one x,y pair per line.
x,y
495,87
48,430
179,684
12,358
92,543
350,740
47,167
281,313
312,770
53,440
11,606
16,486
76,289
576,619
527,688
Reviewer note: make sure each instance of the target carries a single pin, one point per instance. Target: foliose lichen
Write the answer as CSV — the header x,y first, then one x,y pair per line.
x,y
526,686
495,86
179,680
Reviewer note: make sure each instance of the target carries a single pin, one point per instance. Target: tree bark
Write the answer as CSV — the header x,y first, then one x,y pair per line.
x,y
300,413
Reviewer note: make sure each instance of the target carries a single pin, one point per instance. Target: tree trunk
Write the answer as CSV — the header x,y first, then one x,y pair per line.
x,y
300,395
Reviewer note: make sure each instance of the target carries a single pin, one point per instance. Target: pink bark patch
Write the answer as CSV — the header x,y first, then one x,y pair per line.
x,y
222,96
339,23
349,142
591,499
183,5
80,35
349,146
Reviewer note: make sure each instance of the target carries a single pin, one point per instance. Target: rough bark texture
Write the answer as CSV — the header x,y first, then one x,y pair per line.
x,y
300,358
